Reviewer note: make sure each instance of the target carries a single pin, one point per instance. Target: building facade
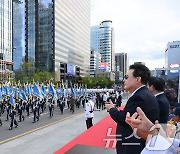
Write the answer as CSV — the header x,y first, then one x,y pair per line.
x,y
121,62
102,40
6,47
57,32
95,60
18,33
72,36
172,59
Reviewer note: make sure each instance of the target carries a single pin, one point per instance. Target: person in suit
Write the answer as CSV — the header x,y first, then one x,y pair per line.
x,y
135,82
156,85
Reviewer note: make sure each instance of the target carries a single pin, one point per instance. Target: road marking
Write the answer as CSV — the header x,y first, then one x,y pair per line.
x,y
36,129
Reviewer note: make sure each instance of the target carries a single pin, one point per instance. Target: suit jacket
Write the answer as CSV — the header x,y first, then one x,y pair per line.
x,y
142,98
163,108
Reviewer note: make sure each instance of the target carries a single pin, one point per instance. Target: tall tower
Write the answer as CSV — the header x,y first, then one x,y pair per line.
x,y
102,40
5,39
18,33
95,59
121,62
56,32
172,58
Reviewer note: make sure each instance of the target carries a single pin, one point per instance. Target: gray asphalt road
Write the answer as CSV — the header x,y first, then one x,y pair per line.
x,y
46,136
27,126
49,139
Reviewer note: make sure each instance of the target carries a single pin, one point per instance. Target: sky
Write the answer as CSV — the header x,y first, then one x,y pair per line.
x,y
142,28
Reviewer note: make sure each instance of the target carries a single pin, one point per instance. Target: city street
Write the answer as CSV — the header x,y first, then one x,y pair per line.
x,y
48,139
26,126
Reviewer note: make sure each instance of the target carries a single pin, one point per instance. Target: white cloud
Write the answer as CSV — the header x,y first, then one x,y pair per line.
x,y
142,27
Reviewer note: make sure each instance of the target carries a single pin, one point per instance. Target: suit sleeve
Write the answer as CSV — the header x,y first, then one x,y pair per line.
x,y
119,116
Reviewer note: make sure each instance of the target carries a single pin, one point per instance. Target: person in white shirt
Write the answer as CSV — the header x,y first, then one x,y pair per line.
x,y
89,107
155,137
104,100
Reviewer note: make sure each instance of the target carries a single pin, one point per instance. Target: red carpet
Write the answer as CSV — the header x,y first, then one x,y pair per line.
x,y
94,136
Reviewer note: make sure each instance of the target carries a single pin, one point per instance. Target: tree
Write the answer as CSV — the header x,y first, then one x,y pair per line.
x,y
87,81
25,74
97,82
43,76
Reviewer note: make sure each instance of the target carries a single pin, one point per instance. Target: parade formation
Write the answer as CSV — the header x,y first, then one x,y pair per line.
x,y
19,102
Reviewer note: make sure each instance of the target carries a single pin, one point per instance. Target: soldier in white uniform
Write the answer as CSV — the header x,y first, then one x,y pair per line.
x,y
89,107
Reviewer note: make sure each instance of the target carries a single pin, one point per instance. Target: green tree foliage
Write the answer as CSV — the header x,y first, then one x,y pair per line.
x,y
23,74
43,76
97,82
26,75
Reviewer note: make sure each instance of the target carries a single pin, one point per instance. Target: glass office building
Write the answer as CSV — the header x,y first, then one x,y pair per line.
x,y
72,35
57,32
18,33
5,39
102,40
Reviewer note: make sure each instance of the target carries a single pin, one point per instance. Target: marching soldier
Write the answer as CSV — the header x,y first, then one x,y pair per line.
x,y
13,118
72,103
8,107
35,110
20,111
27,107
51,106
61,103
1,113
1,122
43,105
38,106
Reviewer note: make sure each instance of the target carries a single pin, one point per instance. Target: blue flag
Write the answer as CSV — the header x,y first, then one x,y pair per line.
x,y
12,102
37,91
52,91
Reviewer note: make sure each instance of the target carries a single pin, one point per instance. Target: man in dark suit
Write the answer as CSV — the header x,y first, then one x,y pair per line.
x,y
156,86
135,82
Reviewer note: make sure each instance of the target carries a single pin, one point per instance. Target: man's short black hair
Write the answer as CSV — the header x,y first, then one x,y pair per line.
x,y
158,83
142,71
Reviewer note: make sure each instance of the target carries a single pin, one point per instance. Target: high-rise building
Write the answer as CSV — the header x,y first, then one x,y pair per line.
x,y
18,33
6,39
172,59
121,62
95,59
57,33
102,40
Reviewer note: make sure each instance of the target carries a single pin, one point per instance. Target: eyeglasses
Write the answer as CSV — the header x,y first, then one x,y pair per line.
x,y
126,77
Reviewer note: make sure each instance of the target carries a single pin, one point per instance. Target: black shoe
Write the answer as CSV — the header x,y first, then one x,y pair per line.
x,y
34,122
10,128
1,124
16,126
